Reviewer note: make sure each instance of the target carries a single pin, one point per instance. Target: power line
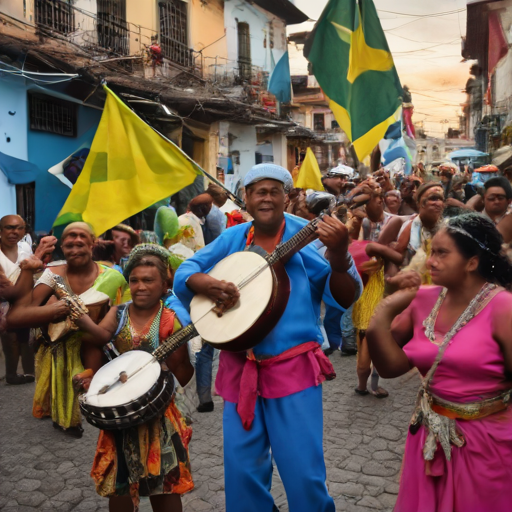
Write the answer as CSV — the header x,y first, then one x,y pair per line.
x,y
415,40
431,15
425,49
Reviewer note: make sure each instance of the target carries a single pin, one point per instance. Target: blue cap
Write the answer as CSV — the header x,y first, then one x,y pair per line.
x,y
269,172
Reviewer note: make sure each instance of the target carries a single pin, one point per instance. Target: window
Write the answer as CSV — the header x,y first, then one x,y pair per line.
x,y
319,122
26,203
262,159
173,32
55,15
48,114
334,124
244,51
112,27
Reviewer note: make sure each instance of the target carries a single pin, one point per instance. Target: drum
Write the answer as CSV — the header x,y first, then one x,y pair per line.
x,y
146,393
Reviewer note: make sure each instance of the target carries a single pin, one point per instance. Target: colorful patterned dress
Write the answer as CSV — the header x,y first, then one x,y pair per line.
x,y
151,458
58,363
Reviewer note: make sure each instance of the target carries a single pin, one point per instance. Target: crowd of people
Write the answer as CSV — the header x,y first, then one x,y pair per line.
x,y
405,272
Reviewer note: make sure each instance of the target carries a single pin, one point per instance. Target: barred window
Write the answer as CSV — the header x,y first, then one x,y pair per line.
x,y
48,114
111,26
55,15
244,50
173,32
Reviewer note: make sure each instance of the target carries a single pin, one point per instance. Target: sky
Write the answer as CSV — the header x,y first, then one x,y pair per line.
x,y
425,40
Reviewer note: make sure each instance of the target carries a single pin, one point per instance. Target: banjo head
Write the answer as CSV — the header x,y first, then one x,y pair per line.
x,y
254,298
132,389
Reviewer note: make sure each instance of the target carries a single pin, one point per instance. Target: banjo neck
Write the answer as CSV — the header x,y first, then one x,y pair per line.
x,y
286,250
175,341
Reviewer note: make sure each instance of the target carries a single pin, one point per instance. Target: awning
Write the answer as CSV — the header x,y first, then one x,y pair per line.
x,y
502,156
18,172
466,153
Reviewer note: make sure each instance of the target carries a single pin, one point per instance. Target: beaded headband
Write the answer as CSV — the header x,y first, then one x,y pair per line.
x,y
146,250
462,231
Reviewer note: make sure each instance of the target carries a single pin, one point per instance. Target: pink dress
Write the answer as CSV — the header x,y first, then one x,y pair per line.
x,y
479,476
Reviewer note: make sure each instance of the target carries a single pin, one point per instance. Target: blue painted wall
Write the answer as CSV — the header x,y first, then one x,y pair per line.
x,y
41,148
46,150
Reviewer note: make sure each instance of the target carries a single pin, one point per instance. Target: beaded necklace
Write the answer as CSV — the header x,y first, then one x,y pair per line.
x,y
149,336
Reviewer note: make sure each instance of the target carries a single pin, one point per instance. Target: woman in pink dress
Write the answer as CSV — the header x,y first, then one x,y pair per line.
x,y
458,333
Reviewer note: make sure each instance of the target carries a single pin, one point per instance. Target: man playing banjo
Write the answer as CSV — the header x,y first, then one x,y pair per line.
x,y
272,397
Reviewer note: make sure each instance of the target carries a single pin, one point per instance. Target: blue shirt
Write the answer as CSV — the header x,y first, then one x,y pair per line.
x,y
172,302
309,274
214,225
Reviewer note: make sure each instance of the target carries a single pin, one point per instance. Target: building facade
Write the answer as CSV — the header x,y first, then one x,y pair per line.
x,y
196,70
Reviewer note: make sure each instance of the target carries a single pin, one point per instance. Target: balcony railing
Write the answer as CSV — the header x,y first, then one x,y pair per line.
x,y
113,34
177,52
55,15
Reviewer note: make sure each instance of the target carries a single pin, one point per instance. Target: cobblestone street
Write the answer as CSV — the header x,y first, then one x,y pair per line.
x,y
42,469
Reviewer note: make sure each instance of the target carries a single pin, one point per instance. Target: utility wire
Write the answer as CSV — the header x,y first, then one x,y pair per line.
x,y
431,15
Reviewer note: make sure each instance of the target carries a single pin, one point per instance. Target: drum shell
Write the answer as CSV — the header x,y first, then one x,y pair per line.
x,y
134,413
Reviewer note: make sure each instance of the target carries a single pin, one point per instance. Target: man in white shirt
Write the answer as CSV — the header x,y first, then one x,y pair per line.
x,y
12,253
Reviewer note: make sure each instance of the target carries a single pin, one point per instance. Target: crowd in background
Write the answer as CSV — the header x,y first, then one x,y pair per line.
x,y
395,225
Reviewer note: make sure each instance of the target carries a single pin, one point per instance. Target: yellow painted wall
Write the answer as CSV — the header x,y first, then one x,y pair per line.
x,y
206,25
142,18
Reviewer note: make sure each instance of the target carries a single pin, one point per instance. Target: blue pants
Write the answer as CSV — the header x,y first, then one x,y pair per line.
x,y
332,324
292,427
348,332
204,370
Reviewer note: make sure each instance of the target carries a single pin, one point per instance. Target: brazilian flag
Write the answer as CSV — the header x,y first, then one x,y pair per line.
x,y
350,58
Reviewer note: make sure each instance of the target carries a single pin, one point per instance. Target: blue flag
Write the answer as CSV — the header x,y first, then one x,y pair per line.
x,y
280,83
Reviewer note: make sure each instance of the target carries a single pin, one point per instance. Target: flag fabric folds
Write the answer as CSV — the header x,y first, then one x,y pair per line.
x,y
350,58
129,168
498,48
309,174
280,83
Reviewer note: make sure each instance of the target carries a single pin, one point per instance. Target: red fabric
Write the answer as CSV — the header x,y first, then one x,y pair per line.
x,y
498,45
357,250
407,115
250,373
498,48
234,218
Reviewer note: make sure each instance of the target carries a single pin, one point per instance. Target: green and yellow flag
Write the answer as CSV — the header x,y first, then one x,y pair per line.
x,y
129,168
309,174
350,58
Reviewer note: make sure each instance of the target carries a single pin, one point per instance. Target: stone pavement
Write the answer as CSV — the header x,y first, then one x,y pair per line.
x,y
42,469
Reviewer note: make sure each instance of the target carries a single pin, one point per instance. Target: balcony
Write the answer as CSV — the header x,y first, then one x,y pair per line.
x,y
55,15
177,52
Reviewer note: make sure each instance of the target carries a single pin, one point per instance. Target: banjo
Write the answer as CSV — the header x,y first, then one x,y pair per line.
x,y
132,388
264,288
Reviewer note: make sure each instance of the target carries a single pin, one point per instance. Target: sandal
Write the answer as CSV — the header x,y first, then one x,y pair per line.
x,y
379,393
361,392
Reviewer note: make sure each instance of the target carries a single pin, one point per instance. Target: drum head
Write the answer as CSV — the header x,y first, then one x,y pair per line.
x,y
254,298
133,388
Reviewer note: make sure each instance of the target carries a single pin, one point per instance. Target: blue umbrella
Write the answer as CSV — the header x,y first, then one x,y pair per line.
x,y
466,153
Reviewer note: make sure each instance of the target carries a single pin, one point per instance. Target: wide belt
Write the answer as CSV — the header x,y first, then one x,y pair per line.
x,y
471,410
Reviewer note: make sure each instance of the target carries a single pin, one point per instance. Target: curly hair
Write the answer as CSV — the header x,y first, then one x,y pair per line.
x,y
475,235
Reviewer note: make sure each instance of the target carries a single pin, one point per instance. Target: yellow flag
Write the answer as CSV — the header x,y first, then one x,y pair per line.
x,y
309,174
129,168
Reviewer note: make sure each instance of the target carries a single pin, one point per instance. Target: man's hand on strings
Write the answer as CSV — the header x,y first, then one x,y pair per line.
x,y
224,294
